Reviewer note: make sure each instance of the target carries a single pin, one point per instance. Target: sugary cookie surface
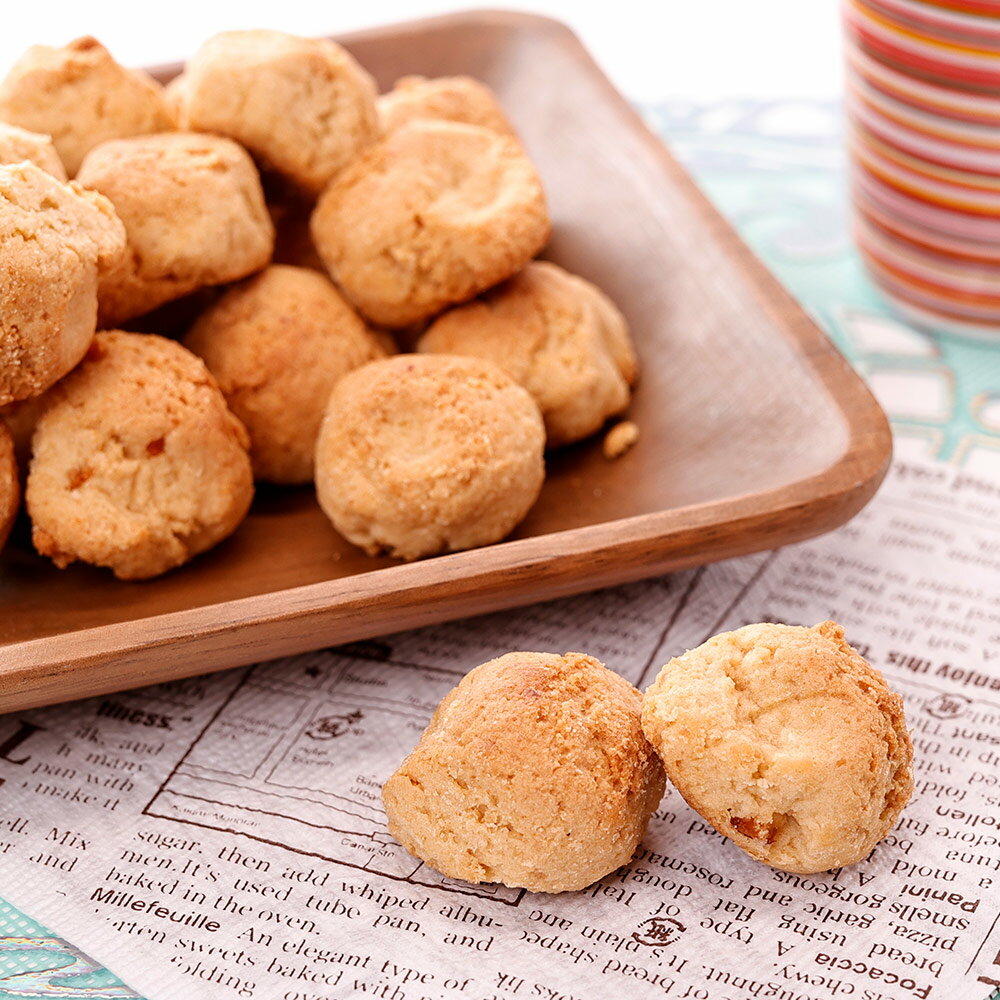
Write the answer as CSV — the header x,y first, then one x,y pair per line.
x,y
786,741
420,454
303,107
431,215
56,240
533,772
277,344
138,465
554,333
81,97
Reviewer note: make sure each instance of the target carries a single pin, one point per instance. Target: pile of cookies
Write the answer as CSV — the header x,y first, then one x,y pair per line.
x,y
542,771
408,221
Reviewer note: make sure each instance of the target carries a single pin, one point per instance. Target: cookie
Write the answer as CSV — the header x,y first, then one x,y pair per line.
x,y
420,454
194,213
55,240
138,465
81,97
18,144
10,486
277,344
303,107
445,98
786,740
557,335
533,772
432,215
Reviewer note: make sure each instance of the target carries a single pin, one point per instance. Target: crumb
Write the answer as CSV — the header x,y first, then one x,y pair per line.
x,y
620,439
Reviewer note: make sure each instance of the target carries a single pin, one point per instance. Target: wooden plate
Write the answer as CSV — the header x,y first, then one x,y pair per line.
x,y
755,432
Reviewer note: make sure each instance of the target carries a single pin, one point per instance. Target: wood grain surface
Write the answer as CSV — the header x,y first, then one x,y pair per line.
x,y
755,431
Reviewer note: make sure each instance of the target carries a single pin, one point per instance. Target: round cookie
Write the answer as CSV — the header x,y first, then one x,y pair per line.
x,y
138,465
194,213
277,344
10,486
18,144
81,97
303,107
431,215
786,741
55,240
533,772
420,454
445,98
557,335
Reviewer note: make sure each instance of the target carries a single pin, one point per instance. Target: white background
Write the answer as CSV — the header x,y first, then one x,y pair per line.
x,y
700,49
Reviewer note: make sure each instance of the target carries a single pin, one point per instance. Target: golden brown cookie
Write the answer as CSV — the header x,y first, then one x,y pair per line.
x,y
431,215
18,144
554,333
533,772
194,214
420,454
786,741
138,465
81,97
10,485
277,344
444,98
55,239
303,107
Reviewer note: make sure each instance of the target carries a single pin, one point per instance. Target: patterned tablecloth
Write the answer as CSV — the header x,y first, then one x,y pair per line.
x,y
777,171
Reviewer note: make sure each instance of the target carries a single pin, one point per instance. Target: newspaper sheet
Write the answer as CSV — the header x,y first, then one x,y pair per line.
x,y
224,836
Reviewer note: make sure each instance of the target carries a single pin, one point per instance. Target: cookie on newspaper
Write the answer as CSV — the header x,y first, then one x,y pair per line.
x,y
432,215
420,454
278,343
303,107
55,241
533,772
81,97
786,740
194,213
557,335
446,98
138,465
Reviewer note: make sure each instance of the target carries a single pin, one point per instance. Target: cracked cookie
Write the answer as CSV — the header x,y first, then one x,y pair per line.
x,y
137,463
557,335
194,215
303,107
533,772
786,740
56,240
277,344
432,215
420,454
80,96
